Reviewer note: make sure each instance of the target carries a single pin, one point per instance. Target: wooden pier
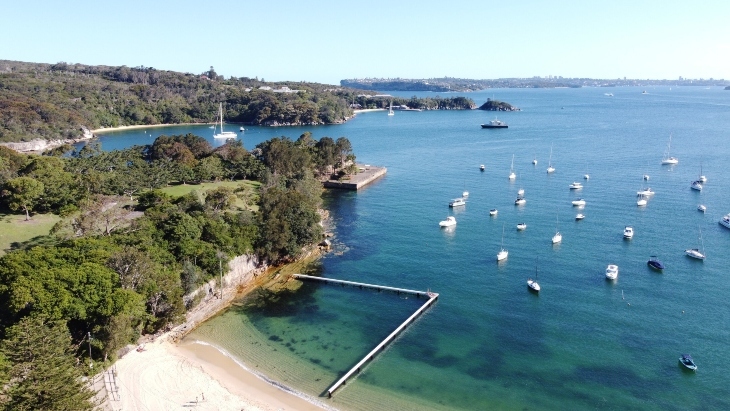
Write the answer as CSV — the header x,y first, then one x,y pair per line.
x,y
358,367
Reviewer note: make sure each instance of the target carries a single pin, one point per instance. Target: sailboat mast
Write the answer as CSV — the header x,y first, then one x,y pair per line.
x,y
221,115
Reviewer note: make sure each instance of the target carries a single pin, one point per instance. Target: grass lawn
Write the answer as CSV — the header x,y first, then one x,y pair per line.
x,y
182,189
14,228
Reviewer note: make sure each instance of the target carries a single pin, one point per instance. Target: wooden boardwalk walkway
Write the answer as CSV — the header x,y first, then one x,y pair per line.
x,y
358,367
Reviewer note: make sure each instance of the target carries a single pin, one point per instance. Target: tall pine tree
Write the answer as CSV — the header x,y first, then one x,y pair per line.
x,y
42,373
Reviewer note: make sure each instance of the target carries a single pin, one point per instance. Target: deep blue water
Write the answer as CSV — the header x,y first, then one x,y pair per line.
x,y
583,342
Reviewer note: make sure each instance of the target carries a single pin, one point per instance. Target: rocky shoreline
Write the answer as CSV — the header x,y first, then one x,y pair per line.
x,y
40,145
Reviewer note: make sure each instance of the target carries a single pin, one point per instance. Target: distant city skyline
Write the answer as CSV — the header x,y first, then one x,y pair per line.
x,y
327,41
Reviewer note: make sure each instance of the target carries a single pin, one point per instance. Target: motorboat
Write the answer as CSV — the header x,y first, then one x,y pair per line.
x,y
628,232
495,124
534,161
579,202
521,192
687,361
502,254
725,221
612,272
449,222
654,263
575,186
457,202
641,202
465,194
223,134
493,211
646,193
521,226
481,167
241,129
696,185
702,208
579,216
586,176
520,201
667,159
608,94
646,177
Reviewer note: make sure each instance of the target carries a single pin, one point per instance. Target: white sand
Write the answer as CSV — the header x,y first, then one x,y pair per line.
x,y
169,377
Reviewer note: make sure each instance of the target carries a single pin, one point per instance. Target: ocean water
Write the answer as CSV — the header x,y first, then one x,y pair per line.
x,y
488,343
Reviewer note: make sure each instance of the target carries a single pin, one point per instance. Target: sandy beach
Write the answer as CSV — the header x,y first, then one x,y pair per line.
x,y
136,127
166,376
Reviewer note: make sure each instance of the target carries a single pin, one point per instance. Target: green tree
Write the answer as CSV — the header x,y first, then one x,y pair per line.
x,y
43,374
23,194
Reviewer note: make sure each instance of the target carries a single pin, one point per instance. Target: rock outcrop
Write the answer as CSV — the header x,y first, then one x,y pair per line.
x,y
39,145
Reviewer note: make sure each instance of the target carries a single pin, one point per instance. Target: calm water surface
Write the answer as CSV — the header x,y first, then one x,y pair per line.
x,y
583,342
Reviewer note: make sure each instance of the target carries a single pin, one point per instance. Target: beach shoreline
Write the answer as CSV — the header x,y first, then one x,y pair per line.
x,y
167,372
162,375
141,126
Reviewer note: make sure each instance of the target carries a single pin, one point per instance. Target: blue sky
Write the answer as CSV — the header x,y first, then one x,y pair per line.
x,y
325,41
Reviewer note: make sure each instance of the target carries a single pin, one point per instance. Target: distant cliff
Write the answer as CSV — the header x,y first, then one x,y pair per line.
x,y
496,105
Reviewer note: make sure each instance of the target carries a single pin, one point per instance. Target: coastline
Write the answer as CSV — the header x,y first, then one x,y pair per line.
x,y
367,110
167,372
166,376
140,126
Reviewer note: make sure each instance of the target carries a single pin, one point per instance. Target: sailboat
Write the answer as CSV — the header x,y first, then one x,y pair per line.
x,y
512,174
702,178
532,284
502,254
390,110
550,168
667,159
534,160
698,253
223,134
557,237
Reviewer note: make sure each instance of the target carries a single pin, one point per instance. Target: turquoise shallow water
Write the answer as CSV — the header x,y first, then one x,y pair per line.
x,y
488,343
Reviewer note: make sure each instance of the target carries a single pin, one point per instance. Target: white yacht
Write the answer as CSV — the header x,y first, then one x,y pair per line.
x,y
641,202
512,174
241,129
701,208
223,134
521,192
449,222
502,254
520,201
667,159
575,186
646,193
612,272
465,194
579,217
646,177
534,161
586,176
579,202
493,211
725,221
696,185
481,167
521,226
628,232
457,202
